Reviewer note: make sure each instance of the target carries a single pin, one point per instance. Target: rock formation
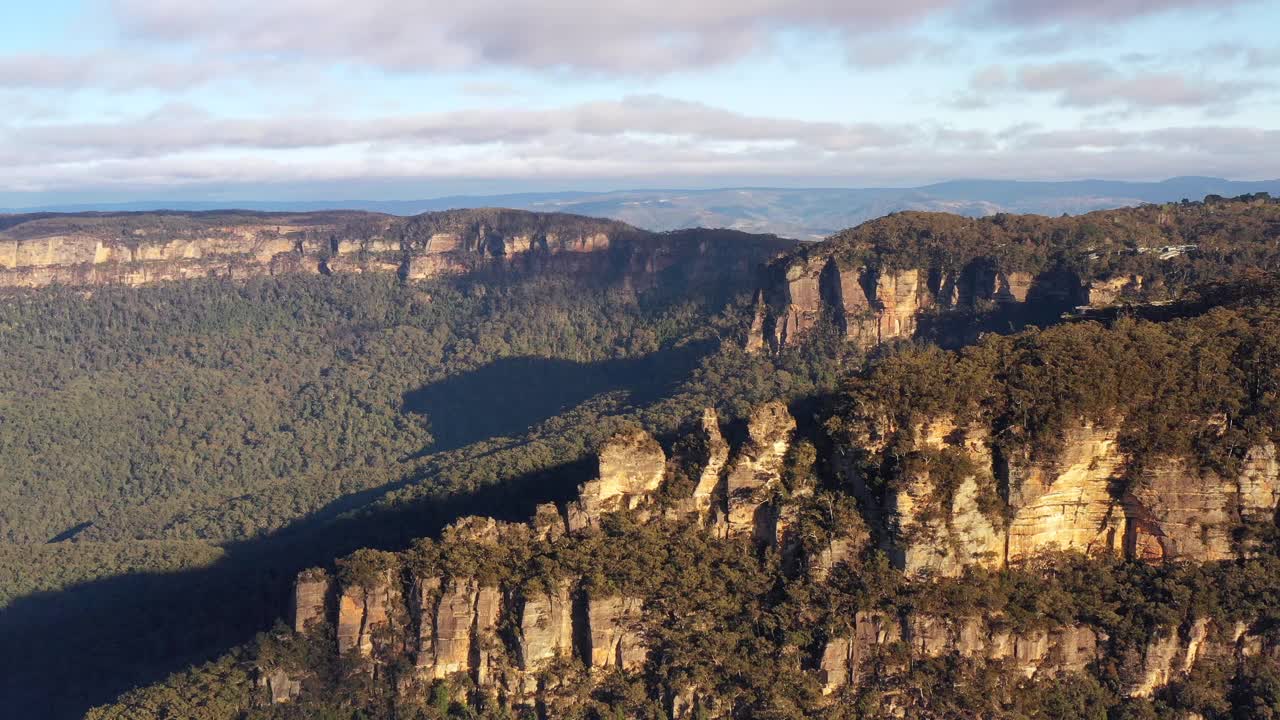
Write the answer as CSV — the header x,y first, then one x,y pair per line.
x,y
631,468
945,277
144,248
957,503
311,598
369,616
615,640
512,639
756,471
869,304
938,528
546,630
712,454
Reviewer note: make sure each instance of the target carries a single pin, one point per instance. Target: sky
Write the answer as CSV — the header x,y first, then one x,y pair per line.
x,y
114,100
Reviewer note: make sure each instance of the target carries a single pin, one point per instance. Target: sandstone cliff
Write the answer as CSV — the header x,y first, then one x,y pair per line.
x,y
526,639
93,249
946,277
958,501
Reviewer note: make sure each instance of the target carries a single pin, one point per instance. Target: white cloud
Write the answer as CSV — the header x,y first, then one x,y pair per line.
x,y
178,128
635,136
639,37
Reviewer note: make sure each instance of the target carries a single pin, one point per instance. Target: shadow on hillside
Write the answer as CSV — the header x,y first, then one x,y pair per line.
x,y
69,650
510,395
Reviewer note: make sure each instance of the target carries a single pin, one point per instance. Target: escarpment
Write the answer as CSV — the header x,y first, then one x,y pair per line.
x,y
946,278
94,249
530,616
957,499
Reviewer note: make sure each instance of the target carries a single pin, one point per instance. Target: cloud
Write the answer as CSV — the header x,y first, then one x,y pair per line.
x,y
1027,154
180,128
892,49
1059,39
1054,12
1205,139
115,70
637,37
622,36
1094,84
641,135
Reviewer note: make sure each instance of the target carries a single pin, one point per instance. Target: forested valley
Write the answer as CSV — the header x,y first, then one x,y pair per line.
x,y
176,454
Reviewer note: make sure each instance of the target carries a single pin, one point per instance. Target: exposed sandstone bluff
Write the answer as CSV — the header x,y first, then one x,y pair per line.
x,y
516,642
93,249
907,274
958,501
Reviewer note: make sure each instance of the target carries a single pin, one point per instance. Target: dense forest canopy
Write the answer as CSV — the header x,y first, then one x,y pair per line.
x,y
174,454
1177,245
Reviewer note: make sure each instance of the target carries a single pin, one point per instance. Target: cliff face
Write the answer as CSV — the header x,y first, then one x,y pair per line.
x,y
869,304
958,501
914,273
516,639
143,248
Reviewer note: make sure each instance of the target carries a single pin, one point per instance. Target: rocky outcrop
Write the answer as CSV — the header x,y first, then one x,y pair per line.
x,y
869,304
1067,504
370,617
95,249
755,471
311,598
938,521
528,641
913,274
1259,484
712,453
502,637
631,468
613,628
953,501
546,629
1172,653
280,687
1037,652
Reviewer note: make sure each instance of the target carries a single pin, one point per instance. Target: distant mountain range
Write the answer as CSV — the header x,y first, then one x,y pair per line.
x,y
806,213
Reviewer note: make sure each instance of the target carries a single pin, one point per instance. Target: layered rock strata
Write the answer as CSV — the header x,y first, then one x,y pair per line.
x,y
95,249
957,502
512,640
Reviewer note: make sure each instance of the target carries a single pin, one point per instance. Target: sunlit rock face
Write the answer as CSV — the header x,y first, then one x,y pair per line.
x,y
938,523
756,470
546,629
631,468
956,502
615,638
371,618
133,249
311,598
713,455
1067,504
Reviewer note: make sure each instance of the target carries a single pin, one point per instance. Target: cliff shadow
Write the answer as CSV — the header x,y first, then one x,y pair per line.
x,y
1052,298
508,396
69,650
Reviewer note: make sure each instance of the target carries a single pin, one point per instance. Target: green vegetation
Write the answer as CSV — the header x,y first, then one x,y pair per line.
x,y
730,623
189,447
1215,241
1204,387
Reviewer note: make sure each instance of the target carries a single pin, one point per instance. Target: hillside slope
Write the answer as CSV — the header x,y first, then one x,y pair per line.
x,y
946,278
890,559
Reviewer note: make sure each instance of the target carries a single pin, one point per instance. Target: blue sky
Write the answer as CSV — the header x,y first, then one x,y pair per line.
x,y
394,99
